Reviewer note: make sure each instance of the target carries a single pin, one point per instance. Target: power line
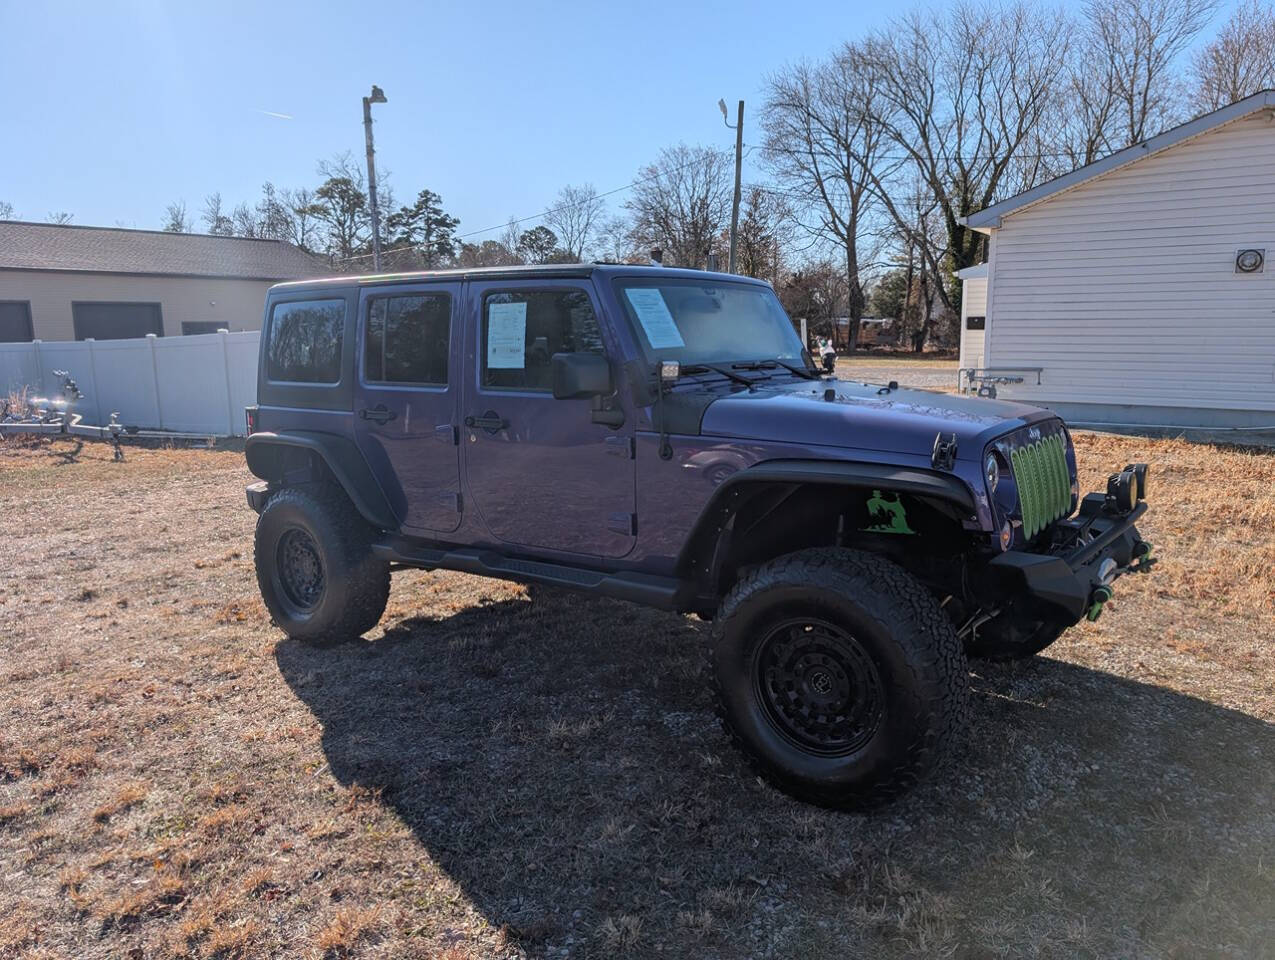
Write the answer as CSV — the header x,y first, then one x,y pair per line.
x,y
752,147
908,156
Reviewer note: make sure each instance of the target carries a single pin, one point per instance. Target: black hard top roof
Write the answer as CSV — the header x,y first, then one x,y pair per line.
x,y
538,272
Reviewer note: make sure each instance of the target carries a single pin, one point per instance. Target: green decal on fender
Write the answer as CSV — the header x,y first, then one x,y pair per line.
x,y
887,516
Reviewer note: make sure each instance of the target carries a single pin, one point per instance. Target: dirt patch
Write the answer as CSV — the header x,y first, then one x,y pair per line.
x,y
504,773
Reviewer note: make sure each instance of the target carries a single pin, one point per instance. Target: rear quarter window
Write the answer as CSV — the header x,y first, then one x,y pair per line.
x,y
306,338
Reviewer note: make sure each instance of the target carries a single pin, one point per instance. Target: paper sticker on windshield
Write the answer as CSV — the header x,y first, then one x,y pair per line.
x,y
652,313
506,336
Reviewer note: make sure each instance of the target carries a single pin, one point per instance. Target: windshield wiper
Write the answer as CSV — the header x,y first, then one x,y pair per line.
x,y
724,371
804,372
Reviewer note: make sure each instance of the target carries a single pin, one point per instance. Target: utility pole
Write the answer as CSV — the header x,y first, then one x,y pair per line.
x,y
378,96
739,160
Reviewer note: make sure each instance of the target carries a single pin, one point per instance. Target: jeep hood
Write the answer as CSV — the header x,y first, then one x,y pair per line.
x,y
863,416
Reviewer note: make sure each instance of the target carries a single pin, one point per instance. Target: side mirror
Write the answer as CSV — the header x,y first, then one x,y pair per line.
x,y
577,375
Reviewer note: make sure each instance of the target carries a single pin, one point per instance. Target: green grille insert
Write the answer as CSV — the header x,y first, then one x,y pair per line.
x,y
1043,481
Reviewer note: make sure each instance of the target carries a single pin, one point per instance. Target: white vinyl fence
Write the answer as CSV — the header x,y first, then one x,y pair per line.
x,y
196,384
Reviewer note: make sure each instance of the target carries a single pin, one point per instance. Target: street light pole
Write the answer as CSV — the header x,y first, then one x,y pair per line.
x,y
378,96
739,160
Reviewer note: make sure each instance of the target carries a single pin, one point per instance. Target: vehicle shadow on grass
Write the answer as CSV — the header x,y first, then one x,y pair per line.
x,y
559,759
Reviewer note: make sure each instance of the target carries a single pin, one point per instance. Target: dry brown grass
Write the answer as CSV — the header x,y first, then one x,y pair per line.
x,y
499,772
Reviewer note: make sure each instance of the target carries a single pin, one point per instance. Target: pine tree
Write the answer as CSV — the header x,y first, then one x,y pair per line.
x,y
425,227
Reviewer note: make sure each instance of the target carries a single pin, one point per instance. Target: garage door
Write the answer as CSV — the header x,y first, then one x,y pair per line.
x,y
116,321
15,321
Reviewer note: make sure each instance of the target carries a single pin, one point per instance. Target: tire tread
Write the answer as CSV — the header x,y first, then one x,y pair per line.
x,y
365,578
888,593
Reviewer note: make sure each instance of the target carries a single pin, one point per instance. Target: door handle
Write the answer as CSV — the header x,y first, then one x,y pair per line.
x,y
489,421
378,413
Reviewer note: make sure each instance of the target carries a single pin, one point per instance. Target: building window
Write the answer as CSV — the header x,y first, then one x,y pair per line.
x,y
407,338
116,321
15,321
305,341
193,328
975,323
522,329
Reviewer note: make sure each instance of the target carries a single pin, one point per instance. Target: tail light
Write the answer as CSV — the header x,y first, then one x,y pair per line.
x,y
250,420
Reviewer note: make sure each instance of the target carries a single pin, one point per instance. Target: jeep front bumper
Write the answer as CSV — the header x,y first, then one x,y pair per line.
x,y
1074,580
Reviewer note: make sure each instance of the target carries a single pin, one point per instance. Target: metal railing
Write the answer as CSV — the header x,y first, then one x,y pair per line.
x,y
984,380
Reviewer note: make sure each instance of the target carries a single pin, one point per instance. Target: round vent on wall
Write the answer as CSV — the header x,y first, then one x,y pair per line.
x,y
1251,260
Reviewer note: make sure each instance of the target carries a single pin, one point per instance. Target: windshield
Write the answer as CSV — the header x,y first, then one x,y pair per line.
x,y
708,321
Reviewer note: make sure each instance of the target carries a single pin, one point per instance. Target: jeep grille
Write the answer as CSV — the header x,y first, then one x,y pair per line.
x,y
1043,481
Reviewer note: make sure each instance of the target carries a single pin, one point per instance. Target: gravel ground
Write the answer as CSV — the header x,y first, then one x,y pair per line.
x,y
925,374
502,773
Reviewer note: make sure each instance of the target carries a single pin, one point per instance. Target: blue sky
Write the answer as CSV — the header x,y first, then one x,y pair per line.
x,y
113,110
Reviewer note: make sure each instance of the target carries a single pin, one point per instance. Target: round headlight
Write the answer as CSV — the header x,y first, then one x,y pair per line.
x,y
992,471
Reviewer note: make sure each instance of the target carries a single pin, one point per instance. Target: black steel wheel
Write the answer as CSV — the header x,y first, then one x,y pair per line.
x,y
299,570
819,686
315,567
838,676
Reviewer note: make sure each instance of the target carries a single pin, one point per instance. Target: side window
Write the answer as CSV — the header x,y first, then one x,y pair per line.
x,y
305,341
522,329
406,339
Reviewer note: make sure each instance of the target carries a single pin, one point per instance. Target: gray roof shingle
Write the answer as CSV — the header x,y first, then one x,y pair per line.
x,y
47,246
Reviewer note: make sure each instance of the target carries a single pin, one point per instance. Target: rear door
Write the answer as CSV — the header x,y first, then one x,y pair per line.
x,y
543,473
405,403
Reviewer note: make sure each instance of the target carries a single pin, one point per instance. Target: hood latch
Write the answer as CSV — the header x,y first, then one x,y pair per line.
x,y
944,455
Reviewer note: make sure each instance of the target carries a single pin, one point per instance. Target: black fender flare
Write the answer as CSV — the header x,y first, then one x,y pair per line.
x,y
698,555
341,457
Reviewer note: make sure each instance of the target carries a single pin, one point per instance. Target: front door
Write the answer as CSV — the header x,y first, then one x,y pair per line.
x,y
405,406
542,473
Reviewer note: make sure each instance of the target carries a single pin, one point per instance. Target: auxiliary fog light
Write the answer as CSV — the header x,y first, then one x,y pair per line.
x,y
1139,471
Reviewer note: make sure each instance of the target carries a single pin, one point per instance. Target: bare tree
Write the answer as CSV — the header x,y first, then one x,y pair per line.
x,y
574,217
816,292
509,237
1239,61
215,219
7,211
615,242
61,218
765,229
824,143
301,224
245,221
341,206
175,218
682,202
489,253
1081,124
1139,43
961,94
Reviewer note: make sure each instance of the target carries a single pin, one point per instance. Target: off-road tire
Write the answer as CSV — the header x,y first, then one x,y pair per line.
x,y
1011,637
353,585
922,690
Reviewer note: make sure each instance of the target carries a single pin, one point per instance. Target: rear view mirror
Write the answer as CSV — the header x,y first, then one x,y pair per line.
x,y
577,375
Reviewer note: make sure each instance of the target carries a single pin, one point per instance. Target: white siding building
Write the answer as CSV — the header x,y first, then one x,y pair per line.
x,y
973,315
1142,285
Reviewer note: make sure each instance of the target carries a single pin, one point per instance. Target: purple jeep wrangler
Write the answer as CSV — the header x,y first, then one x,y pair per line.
x,y
661,436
